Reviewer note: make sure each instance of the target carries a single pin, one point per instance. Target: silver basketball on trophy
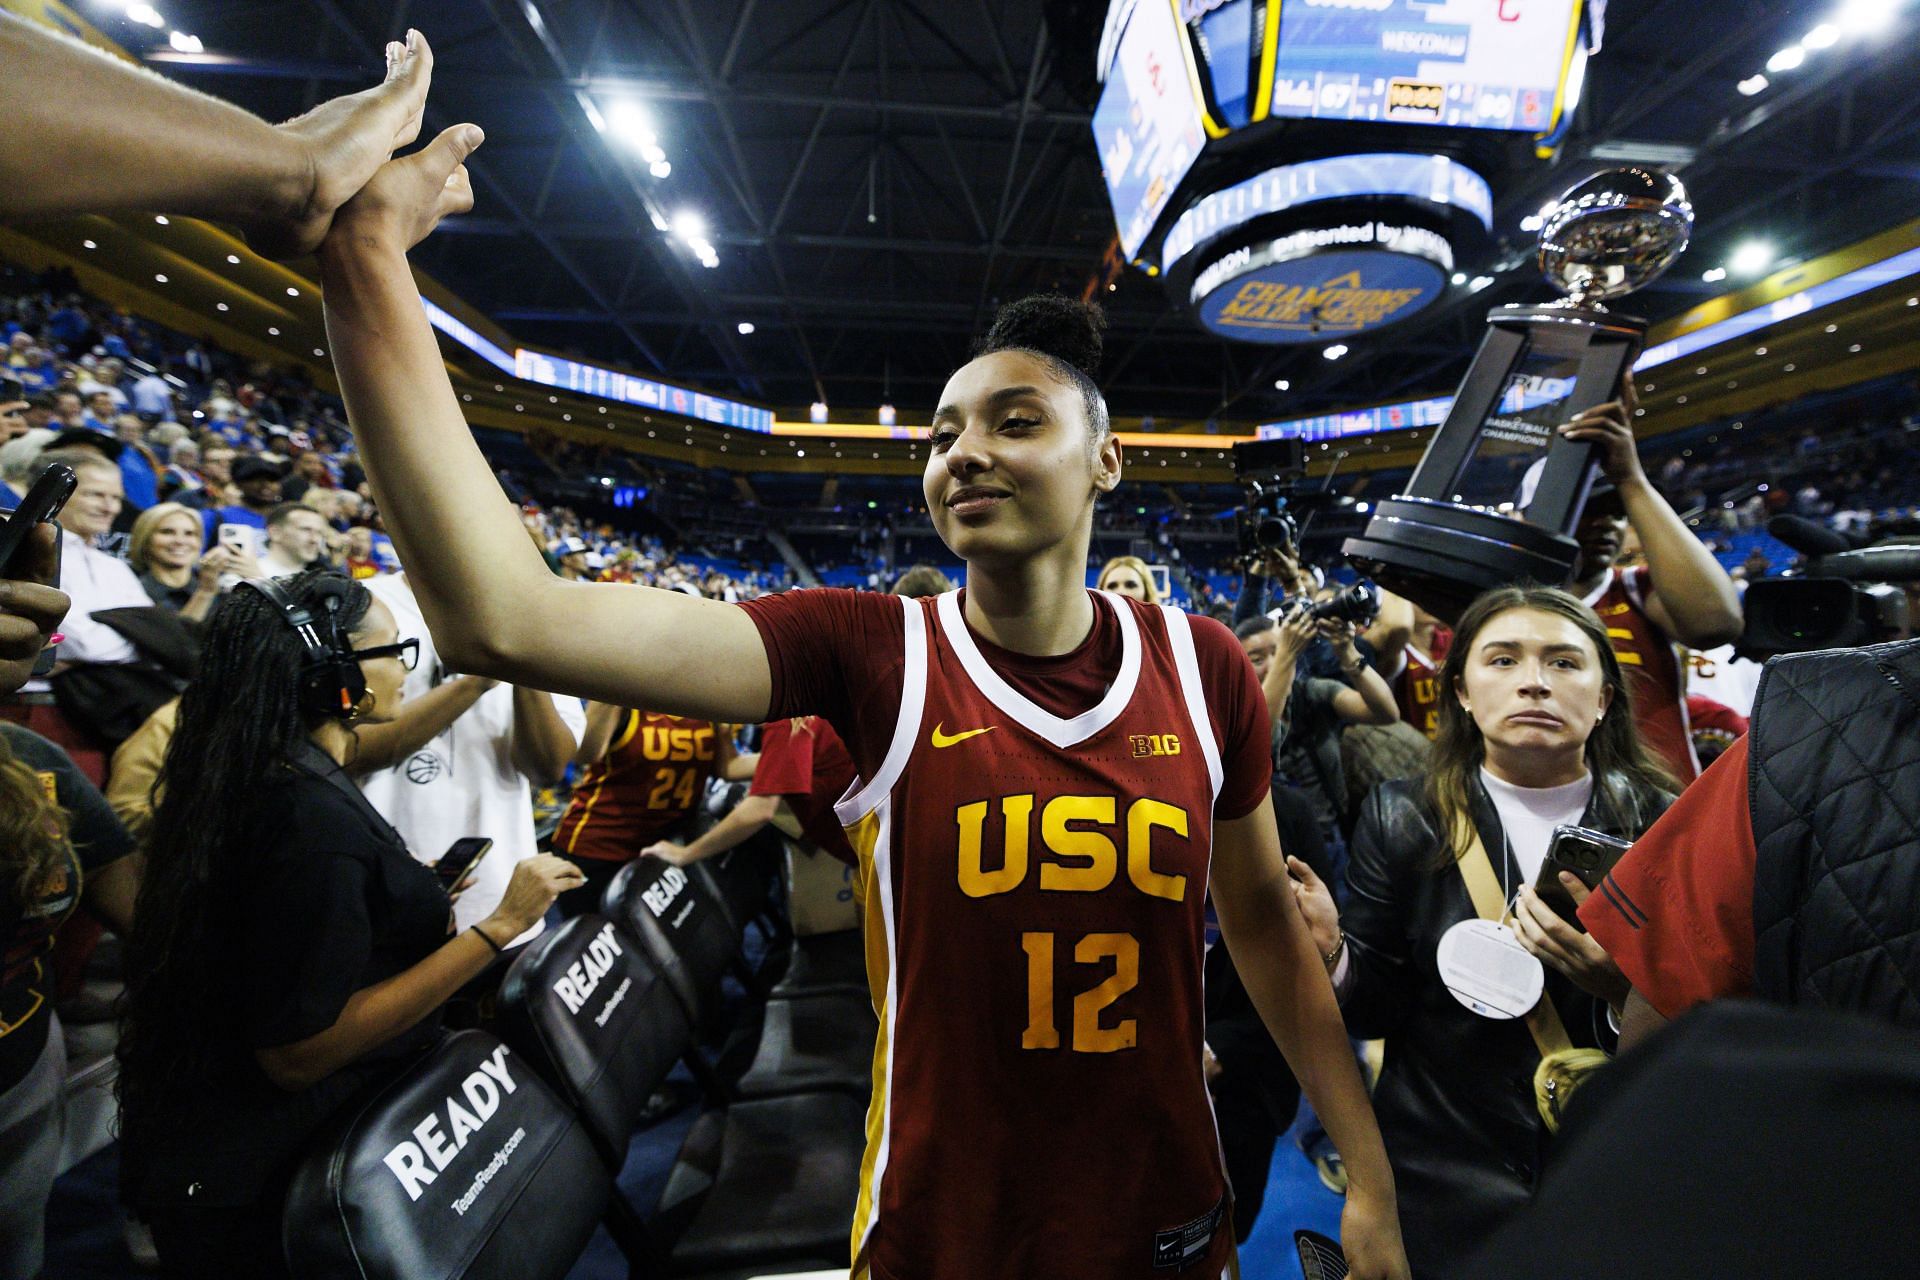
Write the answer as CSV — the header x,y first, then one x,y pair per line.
x,y
1614,233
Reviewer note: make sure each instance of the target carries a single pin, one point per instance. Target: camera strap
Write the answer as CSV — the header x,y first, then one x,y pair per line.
x,y
1483,887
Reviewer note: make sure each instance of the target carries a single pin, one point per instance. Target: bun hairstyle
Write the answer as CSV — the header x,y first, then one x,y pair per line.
x,y
1065,333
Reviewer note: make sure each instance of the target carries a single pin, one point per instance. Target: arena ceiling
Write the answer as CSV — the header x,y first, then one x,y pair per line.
x,y
875,175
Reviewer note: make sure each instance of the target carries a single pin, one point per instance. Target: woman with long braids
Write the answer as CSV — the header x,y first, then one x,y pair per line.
x,y
1535,731
1053,781
60,846
287,950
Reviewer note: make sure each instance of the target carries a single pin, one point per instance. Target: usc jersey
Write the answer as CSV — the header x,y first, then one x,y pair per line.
x,y
1035,924
654,774
1651,662
1417,690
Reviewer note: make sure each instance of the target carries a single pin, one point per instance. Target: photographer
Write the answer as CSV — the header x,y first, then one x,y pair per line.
x,y
1532,735
287,951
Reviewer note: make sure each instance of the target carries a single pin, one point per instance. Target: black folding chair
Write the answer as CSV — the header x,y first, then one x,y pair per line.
x,y
760,1184
449,1174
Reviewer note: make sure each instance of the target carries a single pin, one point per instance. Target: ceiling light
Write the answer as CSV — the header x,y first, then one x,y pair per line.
x,y
1787,59
1459,277
1714,275
158,278
1479,282
233,259
220,306
660,169
319,351
1855,348
1753,84
688,225
660,223
162,219
1283,385
292,292
1862,16
1751,258
1532,222
630,121
88,244
184,43
274,331
1335,351
1833,328
1823,36
745,327
145,13
1759,351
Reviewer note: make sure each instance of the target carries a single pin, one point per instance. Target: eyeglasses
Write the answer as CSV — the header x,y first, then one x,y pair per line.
x,y
408,651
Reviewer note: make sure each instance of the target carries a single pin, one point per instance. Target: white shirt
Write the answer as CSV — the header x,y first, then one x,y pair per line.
x,y
94,581
464,782
1528,815
275,566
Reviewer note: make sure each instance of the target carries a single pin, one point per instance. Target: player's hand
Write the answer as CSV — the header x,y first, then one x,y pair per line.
x,y
31,606
217,562
343,143
1557,943
1609,427
1370,1237
1315,900
668,851
536,883
408,197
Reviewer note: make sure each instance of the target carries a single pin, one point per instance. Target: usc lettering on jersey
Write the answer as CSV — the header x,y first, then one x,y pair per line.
x,y
1651,663
654,774
1036,889
1417,690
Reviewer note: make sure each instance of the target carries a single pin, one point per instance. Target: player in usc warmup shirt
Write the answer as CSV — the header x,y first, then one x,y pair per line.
x,y
1114,844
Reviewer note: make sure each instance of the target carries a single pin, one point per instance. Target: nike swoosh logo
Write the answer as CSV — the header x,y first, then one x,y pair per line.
x,y
943,739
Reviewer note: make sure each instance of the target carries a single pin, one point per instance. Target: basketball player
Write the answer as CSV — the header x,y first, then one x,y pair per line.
x,y
1053,779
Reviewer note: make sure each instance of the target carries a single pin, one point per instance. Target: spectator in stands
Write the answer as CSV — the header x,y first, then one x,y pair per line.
x,y
69,410
139,468
275,883
151,396
181,480
18,465
165,552
476,774
100,412
1021,448
572,552
309,472
1533,735
296,537
1681,597
360,561
59,846
13,410
1128,575
258,483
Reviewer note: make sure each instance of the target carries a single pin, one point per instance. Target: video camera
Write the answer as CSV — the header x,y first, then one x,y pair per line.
x,y
1270,471
1848,594
1358,604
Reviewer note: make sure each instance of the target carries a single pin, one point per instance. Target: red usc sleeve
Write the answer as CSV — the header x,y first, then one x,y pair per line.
x,y
1677,914
786,758
804,762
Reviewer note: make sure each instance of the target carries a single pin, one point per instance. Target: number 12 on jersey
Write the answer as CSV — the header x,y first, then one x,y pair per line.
x,y
1089,1036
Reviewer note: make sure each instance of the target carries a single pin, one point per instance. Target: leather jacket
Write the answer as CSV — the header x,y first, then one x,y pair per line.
x,y
1455,1099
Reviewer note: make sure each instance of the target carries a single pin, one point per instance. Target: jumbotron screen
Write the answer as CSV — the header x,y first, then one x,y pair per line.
x,y
1479,64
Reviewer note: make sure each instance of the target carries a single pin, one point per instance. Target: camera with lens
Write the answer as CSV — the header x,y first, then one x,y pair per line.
x,y
1266,523
1359,604
1849,592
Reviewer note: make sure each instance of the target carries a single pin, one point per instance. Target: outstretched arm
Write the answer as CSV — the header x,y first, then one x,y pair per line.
x,y
744,822
488,599
1287,979
88,133
419,721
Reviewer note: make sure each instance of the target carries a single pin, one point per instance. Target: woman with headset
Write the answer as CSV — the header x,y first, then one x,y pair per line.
x,y
287,950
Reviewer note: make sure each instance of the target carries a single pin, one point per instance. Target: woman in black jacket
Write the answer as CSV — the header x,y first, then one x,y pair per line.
x,y
1537,732
288,952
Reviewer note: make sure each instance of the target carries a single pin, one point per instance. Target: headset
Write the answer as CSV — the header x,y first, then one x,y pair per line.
x,y
331,682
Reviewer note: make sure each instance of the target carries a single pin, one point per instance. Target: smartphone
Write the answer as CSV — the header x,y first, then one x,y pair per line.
x,y
42,503
461,857
237,538
1590,855
1320,1258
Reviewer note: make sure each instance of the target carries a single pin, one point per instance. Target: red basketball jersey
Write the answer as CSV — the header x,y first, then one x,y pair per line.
x,y
1034,920
1417,690
654,774
1651,662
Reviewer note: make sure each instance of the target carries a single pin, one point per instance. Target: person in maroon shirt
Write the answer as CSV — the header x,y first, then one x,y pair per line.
x,y
803,769
1017,791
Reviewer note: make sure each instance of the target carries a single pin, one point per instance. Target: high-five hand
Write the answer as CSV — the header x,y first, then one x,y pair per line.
x,y
409,196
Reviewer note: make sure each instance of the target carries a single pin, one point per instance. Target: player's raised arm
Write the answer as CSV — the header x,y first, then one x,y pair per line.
x,y
491,604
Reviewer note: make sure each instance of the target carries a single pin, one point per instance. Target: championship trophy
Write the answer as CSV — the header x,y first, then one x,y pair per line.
x,y
1499,491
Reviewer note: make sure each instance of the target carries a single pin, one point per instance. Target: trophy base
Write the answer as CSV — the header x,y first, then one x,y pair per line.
x,y
1441,555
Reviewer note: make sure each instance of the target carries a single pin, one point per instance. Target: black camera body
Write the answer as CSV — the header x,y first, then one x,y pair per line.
x,y
1270,471
1358,604
1846,595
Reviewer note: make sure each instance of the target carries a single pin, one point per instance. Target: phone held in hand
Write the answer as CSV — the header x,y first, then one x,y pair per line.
x,y
1320,1258
1590,855
41,505
461,857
